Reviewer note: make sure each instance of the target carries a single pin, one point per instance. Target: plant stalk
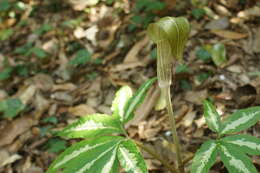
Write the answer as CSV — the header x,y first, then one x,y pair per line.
x,y
157,156
167,95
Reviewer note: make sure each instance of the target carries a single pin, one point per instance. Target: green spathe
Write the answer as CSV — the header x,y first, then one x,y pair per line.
x,y
173,29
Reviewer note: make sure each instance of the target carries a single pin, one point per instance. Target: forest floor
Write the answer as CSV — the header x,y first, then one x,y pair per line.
x,y
60,60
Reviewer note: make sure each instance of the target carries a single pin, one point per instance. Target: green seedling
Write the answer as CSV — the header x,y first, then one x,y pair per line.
x,y
233,149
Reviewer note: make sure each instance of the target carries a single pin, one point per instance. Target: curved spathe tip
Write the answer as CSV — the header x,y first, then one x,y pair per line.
x,y
174,29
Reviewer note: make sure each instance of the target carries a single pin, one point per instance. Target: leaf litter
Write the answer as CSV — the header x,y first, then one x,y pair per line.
x,y
51,87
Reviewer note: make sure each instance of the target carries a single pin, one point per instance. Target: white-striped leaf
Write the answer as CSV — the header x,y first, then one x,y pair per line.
x,y
130,158
235,160
137,99
97,156
205,157
92,126
120,101
241,120
212,117
246,143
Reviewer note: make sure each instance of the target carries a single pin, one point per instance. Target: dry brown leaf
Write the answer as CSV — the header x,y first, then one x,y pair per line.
x,y
126,66
26,94
14,129
41,81
229,34
81,110
196,97
65,86
188,119
10,159
132,54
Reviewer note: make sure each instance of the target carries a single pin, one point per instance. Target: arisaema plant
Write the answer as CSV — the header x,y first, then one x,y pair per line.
x,y
170,34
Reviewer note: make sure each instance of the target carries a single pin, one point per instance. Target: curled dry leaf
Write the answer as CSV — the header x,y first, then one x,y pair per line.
x,y
132,54
14,129
81,110
229,34
10,159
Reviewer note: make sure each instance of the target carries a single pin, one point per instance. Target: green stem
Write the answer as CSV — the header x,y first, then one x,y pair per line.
x,y
157,156
167,95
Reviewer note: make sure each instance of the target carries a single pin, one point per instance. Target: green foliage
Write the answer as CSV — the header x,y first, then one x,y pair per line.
x,y
205,157
202,77
148,7
91,126
185,84
153,54
203,54
51,119
122,97
6,34
82,57
6,73
216,53
240,120
28,49
182,68
212,117
43,29
246,143
4,5
103,153
198,13
233,150
235,160
130,158
136,100
55,145
38,52
11,107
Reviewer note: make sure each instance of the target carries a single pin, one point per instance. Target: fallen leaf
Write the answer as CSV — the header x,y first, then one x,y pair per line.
x,y
221,23
11,159
132,54
81,110
248,13
196,97
229,34
26,94
14,129
188,119
65,86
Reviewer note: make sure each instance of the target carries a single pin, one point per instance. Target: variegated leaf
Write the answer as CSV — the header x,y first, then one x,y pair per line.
x,y
235,160
97,156
130,158
241,120
246,143
120,101
137,99
212,117
205,157
92,126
